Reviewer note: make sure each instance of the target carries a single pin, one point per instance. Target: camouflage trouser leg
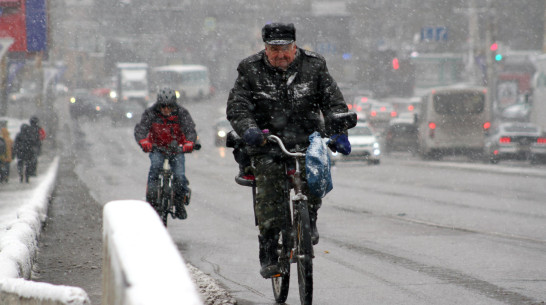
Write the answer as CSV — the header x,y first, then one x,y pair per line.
x,y
270,180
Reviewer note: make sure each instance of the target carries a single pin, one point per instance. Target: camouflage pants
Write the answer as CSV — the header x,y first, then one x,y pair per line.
x,y
270,176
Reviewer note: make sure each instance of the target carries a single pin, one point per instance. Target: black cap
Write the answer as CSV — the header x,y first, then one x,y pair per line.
x,y
279,33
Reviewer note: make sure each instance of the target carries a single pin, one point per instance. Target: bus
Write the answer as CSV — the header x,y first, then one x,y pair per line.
x,y
190,81
454,120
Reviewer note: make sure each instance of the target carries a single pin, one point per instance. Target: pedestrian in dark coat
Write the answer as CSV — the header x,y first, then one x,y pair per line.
x,y
26,150
38,133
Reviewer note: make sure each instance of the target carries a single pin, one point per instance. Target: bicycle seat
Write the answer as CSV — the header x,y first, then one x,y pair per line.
x,y
247,180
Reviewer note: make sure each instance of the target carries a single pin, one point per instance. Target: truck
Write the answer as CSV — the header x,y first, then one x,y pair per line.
x,y
131,95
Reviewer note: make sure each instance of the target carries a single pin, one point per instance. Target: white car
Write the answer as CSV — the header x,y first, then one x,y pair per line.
x,y
364,146
516,140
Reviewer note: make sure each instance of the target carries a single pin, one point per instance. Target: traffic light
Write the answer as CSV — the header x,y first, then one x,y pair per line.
x,y
494,49
395,64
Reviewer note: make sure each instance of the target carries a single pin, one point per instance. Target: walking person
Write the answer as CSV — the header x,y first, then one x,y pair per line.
x,y
6,157
38,134
26,150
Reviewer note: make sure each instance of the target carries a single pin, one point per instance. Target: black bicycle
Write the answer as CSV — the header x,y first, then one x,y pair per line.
x,y
164,204
295,244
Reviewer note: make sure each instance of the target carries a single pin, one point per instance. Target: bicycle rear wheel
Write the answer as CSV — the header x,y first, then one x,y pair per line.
x,y
281,284
304,253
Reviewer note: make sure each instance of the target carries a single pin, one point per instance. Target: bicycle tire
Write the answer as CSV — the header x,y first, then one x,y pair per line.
x,y
281,284
304,253
165,204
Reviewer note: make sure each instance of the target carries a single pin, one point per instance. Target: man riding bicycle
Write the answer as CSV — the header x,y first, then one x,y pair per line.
x,y
283,89
161,125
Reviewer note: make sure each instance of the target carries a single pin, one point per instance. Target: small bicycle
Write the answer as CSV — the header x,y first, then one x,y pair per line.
x,y
165,196
295,244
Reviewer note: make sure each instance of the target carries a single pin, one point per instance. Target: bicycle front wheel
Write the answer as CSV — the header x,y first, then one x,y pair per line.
x,y
282,283
304,255
165,210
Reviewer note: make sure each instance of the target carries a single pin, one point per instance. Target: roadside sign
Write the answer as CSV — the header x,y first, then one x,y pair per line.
x,y
434,33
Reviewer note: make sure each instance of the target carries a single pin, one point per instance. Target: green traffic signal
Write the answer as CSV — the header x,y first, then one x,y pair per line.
x,y
498,57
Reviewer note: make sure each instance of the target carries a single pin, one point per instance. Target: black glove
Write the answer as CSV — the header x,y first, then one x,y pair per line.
x,y
254,137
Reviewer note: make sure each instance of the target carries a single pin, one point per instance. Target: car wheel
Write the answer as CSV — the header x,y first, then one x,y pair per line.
x,y
493,160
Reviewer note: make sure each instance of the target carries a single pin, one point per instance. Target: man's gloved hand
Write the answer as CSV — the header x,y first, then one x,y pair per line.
x,y
187,147
254,137
340,143
146,145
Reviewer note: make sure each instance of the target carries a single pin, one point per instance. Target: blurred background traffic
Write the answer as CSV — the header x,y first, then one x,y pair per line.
x,y
105,59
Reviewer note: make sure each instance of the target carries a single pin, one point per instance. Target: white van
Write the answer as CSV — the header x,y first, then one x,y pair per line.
x,y
454,120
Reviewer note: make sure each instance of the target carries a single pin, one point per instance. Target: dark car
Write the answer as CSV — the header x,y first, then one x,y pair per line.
x,y
83,103
221,129
401,135
516,140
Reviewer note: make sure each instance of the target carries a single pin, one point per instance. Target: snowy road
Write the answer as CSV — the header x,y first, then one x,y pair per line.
x,y
403,232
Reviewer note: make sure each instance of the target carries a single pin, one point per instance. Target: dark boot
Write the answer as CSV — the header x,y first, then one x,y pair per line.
x,y
180,211
181,198
314,230
268,256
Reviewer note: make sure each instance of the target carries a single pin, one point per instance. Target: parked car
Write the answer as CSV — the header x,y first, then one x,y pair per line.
x,y
402,135
364,146
516,140
221,129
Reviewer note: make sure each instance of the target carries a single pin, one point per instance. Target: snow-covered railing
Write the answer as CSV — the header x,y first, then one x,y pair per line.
x,y
18,244
22,292
141,264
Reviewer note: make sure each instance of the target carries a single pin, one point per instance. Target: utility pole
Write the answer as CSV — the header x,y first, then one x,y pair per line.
x,y
491,68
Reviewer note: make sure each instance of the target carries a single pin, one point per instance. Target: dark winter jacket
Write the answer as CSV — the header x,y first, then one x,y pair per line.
x,y
161,130
27,145
288,103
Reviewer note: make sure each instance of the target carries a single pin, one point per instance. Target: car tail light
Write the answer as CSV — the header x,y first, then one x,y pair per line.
x,y
350,106
393,114
359,108
364,100
411,108
504,140
383,109
541,141
486,125
431,128
373,113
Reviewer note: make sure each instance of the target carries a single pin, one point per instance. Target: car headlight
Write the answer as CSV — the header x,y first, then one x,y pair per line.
x,y
72,100
375,145
129,115
221,133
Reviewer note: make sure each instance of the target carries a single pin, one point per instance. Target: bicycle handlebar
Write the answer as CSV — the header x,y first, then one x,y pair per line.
x,y
277,140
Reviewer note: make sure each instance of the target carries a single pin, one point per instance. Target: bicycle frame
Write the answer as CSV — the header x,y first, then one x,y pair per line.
x,y
295,244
